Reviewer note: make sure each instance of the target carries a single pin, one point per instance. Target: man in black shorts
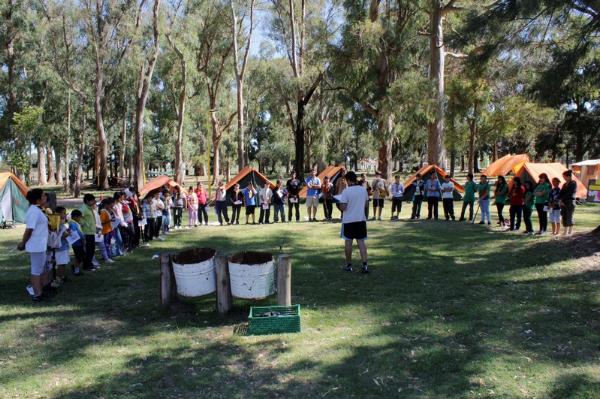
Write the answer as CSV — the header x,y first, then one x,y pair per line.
x,y
354,223
293,187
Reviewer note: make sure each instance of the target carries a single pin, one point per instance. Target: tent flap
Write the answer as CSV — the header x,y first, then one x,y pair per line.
x,y
531,171
504,165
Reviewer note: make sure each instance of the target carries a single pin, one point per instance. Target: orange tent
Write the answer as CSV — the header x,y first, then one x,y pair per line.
x,y
159,182
5,176
504,165
530,171
246,175
428,169
331,171
587,170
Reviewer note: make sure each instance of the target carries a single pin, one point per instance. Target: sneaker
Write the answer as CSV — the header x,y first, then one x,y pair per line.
x,y
30,290
481,222
109,260
365,269
161,238
348,268
37,298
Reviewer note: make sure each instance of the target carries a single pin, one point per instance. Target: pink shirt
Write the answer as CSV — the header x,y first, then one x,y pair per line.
x,y
201,194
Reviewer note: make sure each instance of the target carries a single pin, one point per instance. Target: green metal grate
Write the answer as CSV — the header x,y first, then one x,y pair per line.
x,y
265,320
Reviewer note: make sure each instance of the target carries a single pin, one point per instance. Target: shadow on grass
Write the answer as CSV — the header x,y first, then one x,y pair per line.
x,y
445,299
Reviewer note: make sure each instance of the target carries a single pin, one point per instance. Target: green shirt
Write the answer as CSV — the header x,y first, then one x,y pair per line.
x,y
501,194
542,193
88,221
529,199
483,189
470,188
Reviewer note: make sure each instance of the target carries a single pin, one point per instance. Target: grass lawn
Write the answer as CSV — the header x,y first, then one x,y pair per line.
x,y
451,310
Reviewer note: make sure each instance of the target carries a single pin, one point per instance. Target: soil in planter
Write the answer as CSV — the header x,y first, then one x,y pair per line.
x,y
192,256
251,258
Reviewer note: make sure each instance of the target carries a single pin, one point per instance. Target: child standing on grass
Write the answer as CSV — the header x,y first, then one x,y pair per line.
x,y
265,196
237,199
279,201
448,198
528,207
397,189
483,191
468,198
78,245
168,200
554,205
192,207
500,194
250,202
149,218
178,201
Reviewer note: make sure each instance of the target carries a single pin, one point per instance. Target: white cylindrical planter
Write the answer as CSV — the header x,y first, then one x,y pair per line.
x,y
252,281
195,279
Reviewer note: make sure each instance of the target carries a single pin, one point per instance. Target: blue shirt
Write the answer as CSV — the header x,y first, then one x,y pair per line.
x,y
312,192
250,201
75,228
432,188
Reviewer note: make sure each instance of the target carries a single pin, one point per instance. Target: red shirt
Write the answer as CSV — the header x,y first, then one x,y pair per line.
x,y
517,195
201,194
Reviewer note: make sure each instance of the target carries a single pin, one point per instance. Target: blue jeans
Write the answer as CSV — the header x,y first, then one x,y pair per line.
x,y
221,209
279,209
484,205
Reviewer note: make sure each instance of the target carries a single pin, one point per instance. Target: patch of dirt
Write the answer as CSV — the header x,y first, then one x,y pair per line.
x,y
191,256
252,258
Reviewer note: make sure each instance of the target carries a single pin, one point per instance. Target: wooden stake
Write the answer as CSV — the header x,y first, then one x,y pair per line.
x,y
284,280
224,299
168,286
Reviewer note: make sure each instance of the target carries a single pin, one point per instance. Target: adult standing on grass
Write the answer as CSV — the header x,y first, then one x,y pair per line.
x,y
250,201
517,200
313,184
202,197
567,197
354,222
379,194
417,200
279,194
89,229
541,195
528,207
293,186
327,190
500,194
448,198
483,192
397,191
237,201
468,198
35,242
265,196
340,185
178,202
221,203
432,192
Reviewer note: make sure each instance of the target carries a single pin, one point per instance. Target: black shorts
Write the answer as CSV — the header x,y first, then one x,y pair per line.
x,y
250,209
378,202
354,231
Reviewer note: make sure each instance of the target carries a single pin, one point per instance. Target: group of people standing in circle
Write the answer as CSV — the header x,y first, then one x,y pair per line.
x,y
552,202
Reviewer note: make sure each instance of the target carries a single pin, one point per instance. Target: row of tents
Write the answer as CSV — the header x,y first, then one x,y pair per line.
x,y
13,204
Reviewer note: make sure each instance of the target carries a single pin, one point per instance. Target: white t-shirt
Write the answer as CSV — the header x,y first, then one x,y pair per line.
x,y
355,198
265,195
37,221
447,190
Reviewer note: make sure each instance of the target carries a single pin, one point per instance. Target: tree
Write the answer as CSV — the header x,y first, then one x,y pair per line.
x,y
146,70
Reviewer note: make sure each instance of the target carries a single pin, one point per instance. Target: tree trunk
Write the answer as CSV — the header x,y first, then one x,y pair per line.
x,y
59,167
472,154
67,179
495,151
123,148
240,124
299,140
435,140
142,97
385,127
41,150
462,162
179,164
51,170
452,162
216,141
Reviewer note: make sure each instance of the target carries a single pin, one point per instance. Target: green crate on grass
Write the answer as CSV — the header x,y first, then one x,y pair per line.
x,y
265,320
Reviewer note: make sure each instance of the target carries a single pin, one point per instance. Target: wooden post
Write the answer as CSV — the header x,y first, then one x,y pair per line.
x,y
168,286
284,280
224,299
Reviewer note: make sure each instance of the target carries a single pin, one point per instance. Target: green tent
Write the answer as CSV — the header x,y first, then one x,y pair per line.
x,y
13,204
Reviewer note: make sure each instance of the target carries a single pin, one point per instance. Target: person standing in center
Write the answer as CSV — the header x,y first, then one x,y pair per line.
x,y
468,198
517,200
279,194
448,197
528,207
354,222
265,196
250,201
483,191
541,194
432,192
293,189
327,189
397,194
313,184
202,196
567,197
417,200
89,229
379,193
221,203
500,194
237,200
